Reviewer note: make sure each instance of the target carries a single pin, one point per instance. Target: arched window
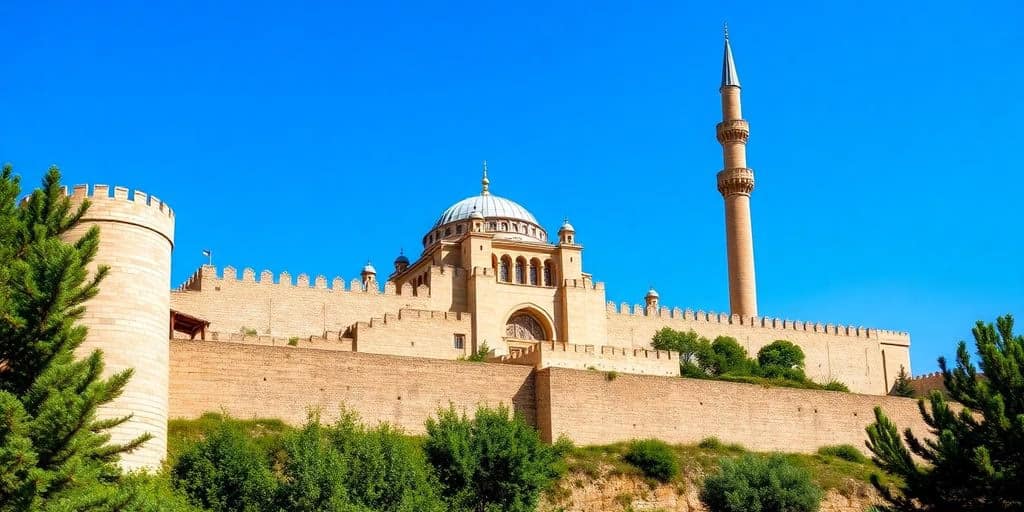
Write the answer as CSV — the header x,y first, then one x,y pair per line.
x,y
494,226
503,275
547,273
521,271
447,231
504,226
525,327
458,229
534,271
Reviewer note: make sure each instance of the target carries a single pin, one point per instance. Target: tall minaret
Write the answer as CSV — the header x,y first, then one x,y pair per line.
x,y
736,182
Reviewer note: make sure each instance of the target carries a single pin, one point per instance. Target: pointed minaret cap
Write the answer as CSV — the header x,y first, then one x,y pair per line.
x,y
729,75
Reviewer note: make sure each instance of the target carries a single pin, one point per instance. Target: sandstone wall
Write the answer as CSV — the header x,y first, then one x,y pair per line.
x,y
415,333
287,308
282,382
591,409
600,358
852,355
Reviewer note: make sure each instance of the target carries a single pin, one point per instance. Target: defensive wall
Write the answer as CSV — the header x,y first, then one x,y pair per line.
x,y
287,307
866,360
603,358
586,406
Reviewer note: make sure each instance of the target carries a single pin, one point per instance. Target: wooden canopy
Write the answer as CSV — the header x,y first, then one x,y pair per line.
x,y
188,324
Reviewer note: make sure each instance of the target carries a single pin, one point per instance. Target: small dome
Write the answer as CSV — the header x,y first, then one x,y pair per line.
x,y
652,293
401,259
566,226
368,268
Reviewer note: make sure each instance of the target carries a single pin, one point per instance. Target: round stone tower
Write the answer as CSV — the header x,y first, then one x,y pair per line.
x,y
129,319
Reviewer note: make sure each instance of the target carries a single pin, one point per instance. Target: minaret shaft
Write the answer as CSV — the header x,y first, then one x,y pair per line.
x,y
736,182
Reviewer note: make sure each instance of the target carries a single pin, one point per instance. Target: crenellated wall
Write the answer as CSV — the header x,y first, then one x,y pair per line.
x,y
288,307
414,333
601,358
866,360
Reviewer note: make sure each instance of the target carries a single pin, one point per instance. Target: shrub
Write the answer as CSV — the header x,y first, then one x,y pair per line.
x,y
480,355
835,385
492,462
225,472
611,375
727,356
313,472
247,331
293,341
843,451
765,484
655,458
710,443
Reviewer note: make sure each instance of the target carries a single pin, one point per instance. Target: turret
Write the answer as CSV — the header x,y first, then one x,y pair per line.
x,y
369,276
129,318
566,233
401,262
735,183
651,299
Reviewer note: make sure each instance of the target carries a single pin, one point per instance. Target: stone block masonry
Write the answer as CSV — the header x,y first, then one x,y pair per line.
x,y
249,381
590,409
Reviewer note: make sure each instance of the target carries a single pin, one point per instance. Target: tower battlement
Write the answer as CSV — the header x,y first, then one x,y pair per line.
x,y
122,204
209,277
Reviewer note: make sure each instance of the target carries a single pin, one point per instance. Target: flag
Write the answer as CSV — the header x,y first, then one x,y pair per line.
x,y
207,253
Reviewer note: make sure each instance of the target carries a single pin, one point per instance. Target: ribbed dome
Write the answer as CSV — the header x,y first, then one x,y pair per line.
x,y
490,206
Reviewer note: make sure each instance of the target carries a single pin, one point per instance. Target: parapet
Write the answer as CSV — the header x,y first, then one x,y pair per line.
x,y
208,277
121,204
666,314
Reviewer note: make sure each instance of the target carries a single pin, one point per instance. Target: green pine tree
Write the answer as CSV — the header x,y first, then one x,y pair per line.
x,y
902,385
54,453
975,461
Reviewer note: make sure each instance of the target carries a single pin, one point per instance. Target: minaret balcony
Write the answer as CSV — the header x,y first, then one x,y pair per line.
x,y
736,180
734,130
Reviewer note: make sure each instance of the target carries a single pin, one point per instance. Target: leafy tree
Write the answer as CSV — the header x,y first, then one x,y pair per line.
x,y
728,356
493,462
226,472
975,459
781,353
54,453
691,347
480,355
655,458
902,385
763,484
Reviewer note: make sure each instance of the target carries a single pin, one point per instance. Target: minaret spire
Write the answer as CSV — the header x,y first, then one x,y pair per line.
x,y
735,183
486,183
729,74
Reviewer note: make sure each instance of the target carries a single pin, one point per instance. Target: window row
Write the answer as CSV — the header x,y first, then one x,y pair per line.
x,y
532,272
492,226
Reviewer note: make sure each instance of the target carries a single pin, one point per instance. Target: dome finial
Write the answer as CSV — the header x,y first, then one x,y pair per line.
x,y
485,182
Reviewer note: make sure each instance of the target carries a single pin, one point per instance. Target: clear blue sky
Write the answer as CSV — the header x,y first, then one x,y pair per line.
x,y
309,137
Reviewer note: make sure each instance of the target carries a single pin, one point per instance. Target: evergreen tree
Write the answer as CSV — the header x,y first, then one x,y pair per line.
x,y
902,385
54,453
975,461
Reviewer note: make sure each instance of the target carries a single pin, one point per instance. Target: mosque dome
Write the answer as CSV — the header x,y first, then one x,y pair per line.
x,y
402,259
368,268
504,218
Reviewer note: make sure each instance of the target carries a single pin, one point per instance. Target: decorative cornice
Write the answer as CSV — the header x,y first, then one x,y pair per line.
x,y
736,181
735,130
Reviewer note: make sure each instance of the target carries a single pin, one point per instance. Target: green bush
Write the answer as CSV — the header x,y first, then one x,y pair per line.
x,y
781,353
655,458
843,451
763,484
492,462
835,385
225,472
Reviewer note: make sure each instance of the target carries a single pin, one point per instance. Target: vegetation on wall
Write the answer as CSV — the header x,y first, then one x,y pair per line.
x,y
780,363
655,458
902,387
975,460
54,452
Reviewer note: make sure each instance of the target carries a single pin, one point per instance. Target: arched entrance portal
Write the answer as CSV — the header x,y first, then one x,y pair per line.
x,y
524,326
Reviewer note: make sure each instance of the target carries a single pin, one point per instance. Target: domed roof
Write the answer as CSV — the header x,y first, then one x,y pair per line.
x,y
368,268
402,258
488,205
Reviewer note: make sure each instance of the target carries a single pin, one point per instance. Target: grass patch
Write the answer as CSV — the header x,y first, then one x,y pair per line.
x,y
843,451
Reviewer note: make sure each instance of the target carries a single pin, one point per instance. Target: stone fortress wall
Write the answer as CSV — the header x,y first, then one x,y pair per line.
x,y
586,406
419,322
128,319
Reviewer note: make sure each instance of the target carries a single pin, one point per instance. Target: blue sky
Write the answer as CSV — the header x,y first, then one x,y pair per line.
x,y
310,137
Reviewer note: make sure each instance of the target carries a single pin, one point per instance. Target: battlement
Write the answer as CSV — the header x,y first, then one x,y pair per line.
x,y
636,310
585,283
560,354
207,277
121,204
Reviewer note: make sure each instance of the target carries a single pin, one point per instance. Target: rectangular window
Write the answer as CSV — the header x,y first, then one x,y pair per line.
x,y
459,341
